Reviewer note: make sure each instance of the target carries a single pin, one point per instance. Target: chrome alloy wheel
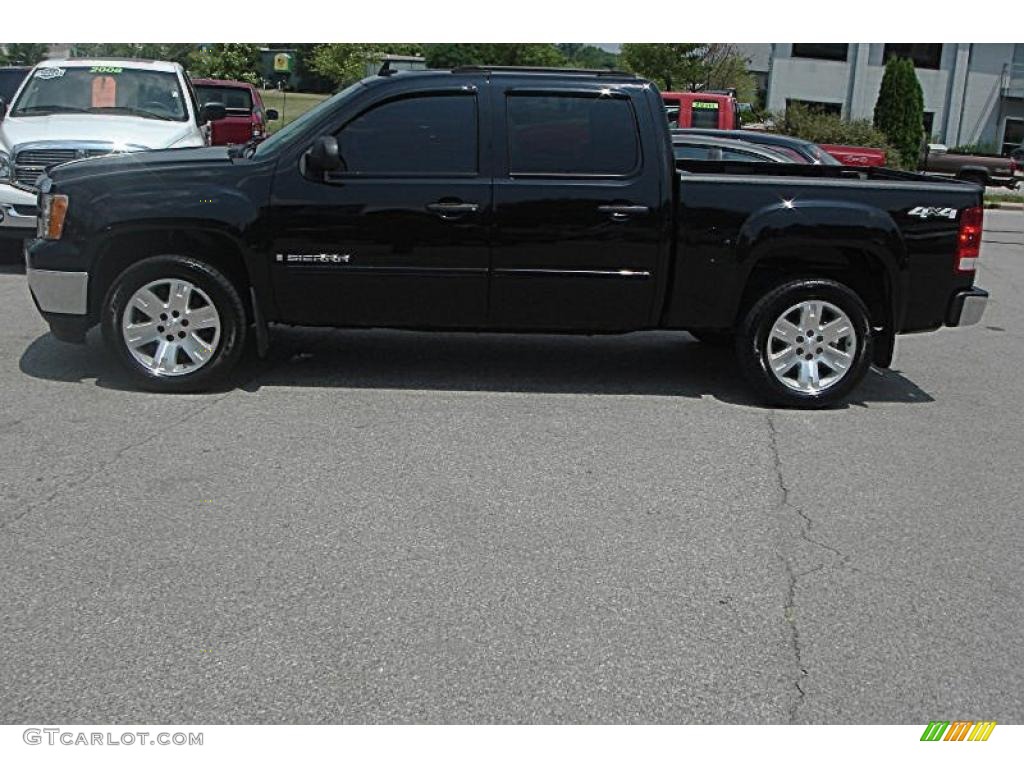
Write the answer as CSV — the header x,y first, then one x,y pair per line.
x,y
171,327
811,346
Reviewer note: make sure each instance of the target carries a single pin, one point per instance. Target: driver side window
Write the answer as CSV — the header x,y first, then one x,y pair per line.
x,y
433,135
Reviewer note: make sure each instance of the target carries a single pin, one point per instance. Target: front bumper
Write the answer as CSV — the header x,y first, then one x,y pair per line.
x,y
60,294
63,293
967,307
17,212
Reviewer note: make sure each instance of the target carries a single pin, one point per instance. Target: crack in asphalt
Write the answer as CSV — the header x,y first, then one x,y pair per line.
x,y
72,484
793,577
261,369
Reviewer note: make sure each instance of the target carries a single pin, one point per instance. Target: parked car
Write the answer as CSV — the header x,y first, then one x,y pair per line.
x,y
246,118
67,109
714,148
10,79
799,150
701,109
865,157
384,207
983,170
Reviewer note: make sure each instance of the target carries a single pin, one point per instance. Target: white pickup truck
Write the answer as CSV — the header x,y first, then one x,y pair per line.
x,y
69,109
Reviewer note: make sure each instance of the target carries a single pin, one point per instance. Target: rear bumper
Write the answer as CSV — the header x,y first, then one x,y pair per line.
x,y
967,307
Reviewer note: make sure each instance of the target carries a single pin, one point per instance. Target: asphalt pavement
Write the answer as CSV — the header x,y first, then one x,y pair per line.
x,y
381,526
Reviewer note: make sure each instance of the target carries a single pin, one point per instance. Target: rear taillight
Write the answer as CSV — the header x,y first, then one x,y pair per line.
x,y
968,244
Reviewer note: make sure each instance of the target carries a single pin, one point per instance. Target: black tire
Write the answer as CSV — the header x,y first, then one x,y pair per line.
x,y
715,338
222,294
753,348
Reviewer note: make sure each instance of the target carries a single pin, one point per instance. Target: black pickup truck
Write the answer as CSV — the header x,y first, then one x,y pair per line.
x,y
500,200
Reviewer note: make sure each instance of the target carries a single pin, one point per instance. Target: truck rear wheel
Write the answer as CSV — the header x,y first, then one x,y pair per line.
x,y
176,324
806,344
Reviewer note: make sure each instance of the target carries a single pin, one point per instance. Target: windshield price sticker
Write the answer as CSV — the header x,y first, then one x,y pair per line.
x,y
49,73
106,70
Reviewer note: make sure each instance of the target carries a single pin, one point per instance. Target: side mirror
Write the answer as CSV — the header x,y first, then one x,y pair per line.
x,y
212,111
323,156
272,114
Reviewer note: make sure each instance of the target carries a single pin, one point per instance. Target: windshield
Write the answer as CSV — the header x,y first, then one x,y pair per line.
x,y
237,101
105,89
284,136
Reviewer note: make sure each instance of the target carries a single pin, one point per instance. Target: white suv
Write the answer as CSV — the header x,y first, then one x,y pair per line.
x,y
69,109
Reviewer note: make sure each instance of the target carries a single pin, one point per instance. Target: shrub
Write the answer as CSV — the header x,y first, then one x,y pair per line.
x,y
822,128
980,148
899,111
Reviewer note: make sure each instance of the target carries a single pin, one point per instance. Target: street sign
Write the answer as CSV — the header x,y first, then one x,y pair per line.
x,y
283,62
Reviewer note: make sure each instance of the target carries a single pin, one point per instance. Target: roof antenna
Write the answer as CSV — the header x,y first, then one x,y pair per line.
x,y
386,70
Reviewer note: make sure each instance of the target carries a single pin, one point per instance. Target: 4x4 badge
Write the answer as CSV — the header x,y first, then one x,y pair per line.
x,y
923,212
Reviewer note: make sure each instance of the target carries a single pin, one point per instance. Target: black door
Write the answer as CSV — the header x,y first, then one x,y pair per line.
x,y
576,214
400,237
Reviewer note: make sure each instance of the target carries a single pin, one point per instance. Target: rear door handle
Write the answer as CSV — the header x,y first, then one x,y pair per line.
x,y
452,208
623,212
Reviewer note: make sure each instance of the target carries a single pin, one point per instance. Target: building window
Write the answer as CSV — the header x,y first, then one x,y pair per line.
x,y
1013,135
827,51
929,123
924,55
821,107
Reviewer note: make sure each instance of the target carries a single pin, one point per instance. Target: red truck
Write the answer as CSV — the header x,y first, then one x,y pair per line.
x,y
867,157
246,118
701,110
721,111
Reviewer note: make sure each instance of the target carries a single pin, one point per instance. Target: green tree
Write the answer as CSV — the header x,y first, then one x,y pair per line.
x,y
227,61
588,56
344,63
179,52
899,111
691,66
444,55
24,54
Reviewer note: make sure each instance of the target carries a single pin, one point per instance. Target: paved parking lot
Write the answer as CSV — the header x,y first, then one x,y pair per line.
x,y
384,526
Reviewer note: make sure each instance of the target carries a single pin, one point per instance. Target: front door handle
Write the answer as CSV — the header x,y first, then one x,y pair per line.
x,y
623,212
452,208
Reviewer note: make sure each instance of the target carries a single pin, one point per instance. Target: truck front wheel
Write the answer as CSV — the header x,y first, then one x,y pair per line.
x,y
176,324
806,344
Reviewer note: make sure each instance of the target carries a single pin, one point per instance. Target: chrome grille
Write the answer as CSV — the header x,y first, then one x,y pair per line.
x,y
30,164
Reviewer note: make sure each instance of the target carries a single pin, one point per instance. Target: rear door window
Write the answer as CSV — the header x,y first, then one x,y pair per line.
x,y
572,135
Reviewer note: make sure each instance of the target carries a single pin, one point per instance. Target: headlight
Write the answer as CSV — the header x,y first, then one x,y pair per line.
x,y
5,166
52,211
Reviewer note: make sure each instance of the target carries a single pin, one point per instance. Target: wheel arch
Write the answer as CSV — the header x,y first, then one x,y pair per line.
x,y
121,248
857,245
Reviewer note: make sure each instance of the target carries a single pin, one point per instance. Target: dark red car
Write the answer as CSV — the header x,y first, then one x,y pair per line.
x,y
246,116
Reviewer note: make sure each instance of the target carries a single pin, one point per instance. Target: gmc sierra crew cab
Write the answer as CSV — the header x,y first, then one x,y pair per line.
x,y
488,199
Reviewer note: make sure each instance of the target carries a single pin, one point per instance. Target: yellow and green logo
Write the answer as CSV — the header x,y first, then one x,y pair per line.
x,y
958,730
